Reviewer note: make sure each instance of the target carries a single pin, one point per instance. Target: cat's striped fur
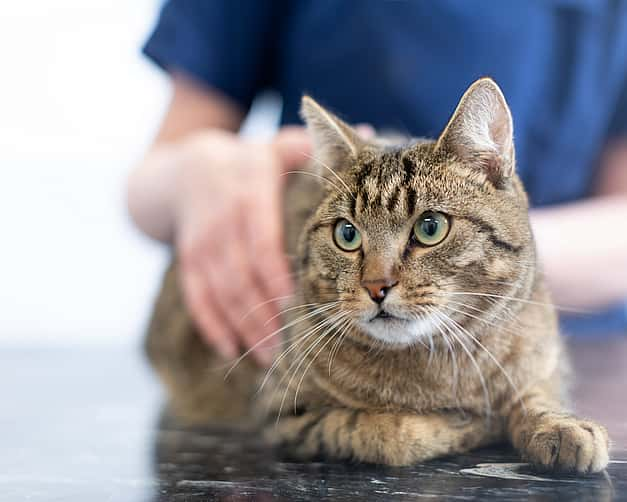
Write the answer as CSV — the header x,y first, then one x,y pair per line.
x,y
476,357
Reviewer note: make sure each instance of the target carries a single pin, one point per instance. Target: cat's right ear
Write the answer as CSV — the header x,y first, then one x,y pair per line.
x,y
335,143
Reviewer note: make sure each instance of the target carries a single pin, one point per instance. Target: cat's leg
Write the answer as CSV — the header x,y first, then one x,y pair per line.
x,y
382,437
552,439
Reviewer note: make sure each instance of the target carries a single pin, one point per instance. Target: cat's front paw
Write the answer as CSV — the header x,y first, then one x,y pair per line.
x,y
567,444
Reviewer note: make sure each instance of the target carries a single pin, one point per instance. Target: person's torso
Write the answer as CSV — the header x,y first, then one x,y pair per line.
x,y
402,66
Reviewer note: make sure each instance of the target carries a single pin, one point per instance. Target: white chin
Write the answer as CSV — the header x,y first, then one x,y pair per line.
x,y
399,332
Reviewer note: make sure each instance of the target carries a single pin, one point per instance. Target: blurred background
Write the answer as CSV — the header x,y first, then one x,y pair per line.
x,y
78,105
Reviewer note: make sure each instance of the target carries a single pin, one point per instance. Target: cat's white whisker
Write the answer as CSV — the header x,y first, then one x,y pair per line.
x,y
451,348
331,337
431,350
331,321
348,190
314,175
493,358
336,346
482,320
277,332
498,309
445,323
521,300
298,307
259,305
299,339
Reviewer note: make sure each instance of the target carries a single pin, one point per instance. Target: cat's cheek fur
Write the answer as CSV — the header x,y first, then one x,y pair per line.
x,y
469,251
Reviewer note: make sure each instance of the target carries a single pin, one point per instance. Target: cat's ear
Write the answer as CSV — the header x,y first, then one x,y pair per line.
x,y
481,131
334,141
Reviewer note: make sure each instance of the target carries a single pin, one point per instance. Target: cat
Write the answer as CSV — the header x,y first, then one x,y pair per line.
x,y
421,326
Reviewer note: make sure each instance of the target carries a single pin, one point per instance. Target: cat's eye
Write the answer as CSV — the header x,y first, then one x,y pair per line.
x,y
431,228
346,236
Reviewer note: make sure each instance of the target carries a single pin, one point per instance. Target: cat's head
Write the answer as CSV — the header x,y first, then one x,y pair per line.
x,y
410,235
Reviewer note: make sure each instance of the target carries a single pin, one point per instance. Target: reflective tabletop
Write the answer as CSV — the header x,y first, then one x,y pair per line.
x,y
87,424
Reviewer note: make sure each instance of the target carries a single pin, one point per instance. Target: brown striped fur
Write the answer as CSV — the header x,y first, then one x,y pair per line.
x,y
479,369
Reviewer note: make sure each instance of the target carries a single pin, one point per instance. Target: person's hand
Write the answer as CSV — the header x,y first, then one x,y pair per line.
x,y
228,236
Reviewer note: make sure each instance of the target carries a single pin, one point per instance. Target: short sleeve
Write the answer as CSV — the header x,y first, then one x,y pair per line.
x,y
227,44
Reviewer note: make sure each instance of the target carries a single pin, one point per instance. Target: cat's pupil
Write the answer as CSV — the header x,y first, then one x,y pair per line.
x,y
348,232
430,226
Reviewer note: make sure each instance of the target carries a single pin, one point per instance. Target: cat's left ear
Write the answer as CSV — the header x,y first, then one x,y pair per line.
x,y
481,132
334,142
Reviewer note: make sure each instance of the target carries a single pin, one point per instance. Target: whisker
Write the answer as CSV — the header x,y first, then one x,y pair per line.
x,y
259,305
453,360
336,346
431,350
300,338
492,301
513,298
348,190
297,307
443,319
300,319
294,345
485,321
314,175
494,359
300,360
331,338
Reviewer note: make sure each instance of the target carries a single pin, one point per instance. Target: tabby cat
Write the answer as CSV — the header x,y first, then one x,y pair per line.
x,y
421,326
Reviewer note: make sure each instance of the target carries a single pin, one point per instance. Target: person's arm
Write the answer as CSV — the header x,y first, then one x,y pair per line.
x,y
583,245
217,198
193,110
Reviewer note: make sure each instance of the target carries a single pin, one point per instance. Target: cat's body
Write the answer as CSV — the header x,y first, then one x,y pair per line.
x,y
415,350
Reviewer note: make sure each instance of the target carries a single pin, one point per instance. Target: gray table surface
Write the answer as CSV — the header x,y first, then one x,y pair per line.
x,y
84,424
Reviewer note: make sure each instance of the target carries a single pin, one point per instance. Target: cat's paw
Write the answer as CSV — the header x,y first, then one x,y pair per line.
x,y
567,444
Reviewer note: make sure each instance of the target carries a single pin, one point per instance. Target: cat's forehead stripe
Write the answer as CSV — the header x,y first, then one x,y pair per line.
x,y
409,169
387,183
392,201
364,171
412,196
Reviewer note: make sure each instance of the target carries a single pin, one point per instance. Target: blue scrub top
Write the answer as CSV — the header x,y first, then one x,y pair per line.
x,y
403,65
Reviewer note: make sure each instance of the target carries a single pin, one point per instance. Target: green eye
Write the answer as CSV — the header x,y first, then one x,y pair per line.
x,y
431,228
346,236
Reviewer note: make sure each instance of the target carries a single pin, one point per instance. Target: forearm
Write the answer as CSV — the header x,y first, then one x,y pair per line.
x,y
194,110
583,249
152,192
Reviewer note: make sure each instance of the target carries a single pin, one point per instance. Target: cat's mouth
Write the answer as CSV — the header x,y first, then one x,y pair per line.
x,y
383,314
394,328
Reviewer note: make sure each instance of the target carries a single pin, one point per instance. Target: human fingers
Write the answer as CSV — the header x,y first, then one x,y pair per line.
x,y
292,146
236,293
366,131
212,326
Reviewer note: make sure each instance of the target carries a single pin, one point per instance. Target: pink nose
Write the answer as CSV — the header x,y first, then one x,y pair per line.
x,y
378,289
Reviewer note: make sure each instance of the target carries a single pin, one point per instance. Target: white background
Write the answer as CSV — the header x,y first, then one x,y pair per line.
x,y
78,105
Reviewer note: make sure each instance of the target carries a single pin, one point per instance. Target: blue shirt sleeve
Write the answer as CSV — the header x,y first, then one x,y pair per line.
x,y
618,123
229,45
